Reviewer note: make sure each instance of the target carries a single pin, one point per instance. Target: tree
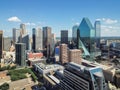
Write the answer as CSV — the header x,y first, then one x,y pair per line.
x,y
4,86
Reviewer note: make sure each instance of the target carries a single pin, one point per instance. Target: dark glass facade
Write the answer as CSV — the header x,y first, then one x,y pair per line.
x,y
37,39
87,35
20,54
47,39
64,36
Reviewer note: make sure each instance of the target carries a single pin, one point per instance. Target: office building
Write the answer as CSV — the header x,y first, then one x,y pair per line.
x,y
87,36
25,39
23,29
97,27
1,43
74,33
75,55
64,36
47,39
52,45
63,53
16,35
79,77
37,39
46,36
20,54
7,43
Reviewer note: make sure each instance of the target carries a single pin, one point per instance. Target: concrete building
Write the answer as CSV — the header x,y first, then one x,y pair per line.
x,y
20,54
23,29
7,42
1,43
37,39
75,55
52,45
16,35
64,36
45,69
97,27
79,77
63,53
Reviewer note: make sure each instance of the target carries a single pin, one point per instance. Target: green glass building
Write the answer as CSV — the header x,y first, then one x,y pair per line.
x,y
87,35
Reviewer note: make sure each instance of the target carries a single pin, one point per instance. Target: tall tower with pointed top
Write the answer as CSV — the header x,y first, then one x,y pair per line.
x,y
87,35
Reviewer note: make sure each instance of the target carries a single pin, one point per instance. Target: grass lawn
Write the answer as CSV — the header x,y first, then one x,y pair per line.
x,y
21,74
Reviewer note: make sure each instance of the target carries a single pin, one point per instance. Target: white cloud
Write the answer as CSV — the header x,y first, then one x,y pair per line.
x,y
14,19
30,24
108,21
110,30
98,19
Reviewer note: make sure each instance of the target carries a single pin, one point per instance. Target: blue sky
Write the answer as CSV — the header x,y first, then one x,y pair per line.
x,y
59,14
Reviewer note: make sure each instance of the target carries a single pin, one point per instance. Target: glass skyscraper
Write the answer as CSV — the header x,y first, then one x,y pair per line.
x,y
97,27
20,54
74,33
64,36
87,35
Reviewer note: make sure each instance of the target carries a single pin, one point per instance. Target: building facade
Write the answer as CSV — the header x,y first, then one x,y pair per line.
x,y
87,36
20,54
79,77
37,39
7,42
16,35
1,43
74,33
97,27
47,40
64,36
25,39
63,53
75,55
23,29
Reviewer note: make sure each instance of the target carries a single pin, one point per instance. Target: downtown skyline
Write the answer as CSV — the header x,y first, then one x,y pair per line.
x,y
59,15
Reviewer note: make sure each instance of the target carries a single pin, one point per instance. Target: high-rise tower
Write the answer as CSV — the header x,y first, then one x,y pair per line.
x,y
47,39
23,29
1,43
64,36
37,39
87,35
97,27
20,54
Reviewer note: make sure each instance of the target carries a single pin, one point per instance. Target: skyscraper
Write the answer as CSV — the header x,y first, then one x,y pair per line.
x,y
37,39
97,27
74,33
63,53
20,54
52,45
47,39
16,35
1,43
25,39
87,35
64,36
23,29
